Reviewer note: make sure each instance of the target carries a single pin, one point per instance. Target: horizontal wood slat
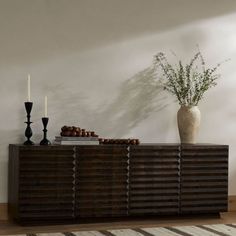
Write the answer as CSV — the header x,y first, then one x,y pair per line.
x,y
150,191
46,183
155,211
204,202
49,215
154,197
154,185
101,181
204,177
31,197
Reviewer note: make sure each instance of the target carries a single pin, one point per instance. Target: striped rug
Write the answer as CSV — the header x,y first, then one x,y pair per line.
x,y
197,230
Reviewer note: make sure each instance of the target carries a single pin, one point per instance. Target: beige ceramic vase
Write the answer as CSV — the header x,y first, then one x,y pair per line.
x,y
188,118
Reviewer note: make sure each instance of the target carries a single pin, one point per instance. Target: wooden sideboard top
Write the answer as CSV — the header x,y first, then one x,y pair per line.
x,y
141,144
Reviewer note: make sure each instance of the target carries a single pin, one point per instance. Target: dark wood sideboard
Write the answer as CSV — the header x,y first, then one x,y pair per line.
x,y
72,183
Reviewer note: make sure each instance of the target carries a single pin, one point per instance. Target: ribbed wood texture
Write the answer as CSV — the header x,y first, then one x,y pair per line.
x,y
46,176
74,182
101,181
154,180
204,179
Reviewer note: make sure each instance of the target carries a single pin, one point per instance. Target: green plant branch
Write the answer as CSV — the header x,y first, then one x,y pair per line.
x,y
187,82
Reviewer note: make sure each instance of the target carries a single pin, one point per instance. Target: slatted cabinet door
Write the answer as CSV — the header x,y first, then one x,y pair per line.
x,y
154,180
46,178
101,181
204,179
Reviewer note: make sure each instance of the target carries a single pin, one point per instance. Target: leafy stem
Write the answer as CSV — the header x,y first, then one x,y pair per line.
x,y
187,82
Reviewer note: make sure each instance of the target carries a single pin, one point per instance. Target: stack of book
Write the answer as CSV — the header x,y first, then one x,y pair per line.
x,y
61,140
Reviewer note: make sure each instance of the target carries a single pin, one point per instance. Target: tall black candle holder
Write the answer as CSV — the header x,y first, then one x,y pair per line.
x,y
28,130
45,141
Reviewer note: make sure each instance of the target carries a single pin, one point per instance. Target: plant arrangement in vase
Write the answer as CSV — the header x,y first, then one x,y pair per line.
x,y
188,83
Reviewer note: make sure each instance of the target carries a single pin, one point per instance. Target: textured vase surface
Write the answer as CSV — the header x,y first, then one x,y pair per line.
x,y
188,118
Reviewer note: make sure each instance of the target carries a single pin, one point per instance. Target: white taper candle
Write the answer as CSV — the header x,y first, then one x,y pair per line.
x,y
28,99
46,106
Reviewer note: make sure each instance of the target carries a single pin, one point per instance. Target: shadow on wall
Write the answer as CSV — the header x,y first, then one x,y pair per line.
x,y
138,98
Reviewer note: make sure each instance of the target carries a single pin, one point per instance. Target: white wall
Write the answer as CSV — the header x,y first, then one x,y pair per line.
x,y
92,59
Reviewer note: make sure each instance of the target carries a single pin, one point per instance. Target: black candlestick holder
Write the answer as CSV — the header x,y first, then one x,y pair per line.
x,y
45,141
28,130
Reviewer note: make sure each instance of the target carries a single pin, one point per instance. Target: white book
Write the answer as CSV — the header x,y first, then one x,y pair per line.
x,y
63,138
77,142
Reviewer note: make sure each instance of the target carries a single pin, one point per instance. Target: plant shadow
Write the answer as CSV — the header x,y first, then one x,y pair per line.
x,y
138,98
